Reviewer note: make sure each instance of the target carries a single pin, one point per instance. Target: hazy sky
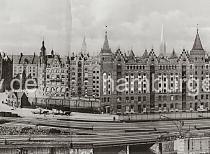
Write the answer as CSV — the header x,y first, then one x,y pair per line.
x,y
131,24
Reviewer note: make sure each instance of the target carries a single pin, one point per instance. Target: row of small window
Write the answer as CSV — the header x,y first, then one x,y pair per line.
x,y
55,83
73,93
196,67
132,74
95,91
86,69
21,70
56,71
95,77
32,74
167,67
196,58
56,66
172,106
164,98
144,98
132,92
53,76
86,83
133,67
53,89
20,67
105,99
196,77
196,73
95,71
80,62
202,97
32,71
95,86
160,74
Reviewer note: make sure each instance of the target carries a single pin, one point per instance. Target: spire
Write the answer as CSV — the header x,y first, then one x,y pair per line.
x,y
197,43
84,46
43,53
173,55
43,49
163,43
106,42
106,48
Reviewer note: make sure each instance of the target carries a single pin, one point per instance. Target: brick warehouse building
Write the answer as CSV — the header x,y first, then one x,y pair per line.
x,y
138,96
86,77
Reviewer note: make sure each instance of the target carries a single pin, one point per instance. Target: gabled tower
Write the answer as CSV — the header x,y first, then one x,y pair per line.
x,y
106,73
106,53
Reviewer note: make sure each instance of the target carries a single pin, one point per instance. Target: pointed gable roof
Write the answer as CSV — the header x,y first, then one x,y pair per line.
x,y
197,43
131,54
197,48
145,54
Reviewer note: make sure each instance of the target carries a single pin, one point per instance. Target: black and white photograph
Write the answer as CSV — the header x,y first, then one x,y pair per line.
x,y
104,77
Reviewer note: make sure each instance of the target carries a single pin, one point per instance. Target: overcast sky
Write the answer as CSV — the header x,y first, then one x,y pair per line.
x,y
132,24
